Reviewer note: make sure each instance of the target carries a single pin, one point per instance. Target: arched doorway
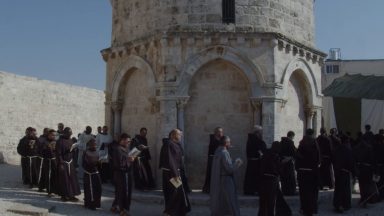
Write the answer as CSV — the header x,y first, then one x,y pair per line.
x,y
219,96
294,113
136,90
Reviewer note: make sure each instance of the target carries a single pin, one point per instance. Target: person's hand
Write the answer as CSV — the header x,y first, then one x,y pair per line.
x,y
286,159
131,159
238,162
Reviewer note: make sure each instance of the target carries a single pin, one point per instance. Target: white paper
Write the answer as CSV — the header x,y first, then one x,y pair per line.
x,y
134,152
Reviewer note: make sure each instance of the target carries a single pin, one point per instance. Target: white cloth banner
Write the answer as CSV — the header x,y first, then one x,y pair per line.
x,y
329,113
372,113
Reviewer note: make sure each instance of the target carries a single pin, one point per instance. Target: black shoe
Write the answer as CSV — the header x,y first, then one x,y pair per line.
x,y
64,199
73,199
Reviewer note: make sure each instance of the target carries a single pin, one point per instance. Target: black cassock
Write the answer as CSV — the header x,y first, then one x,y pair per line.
x,y
365,168
28,148
68,185
171,162
288,177
271,200
49,171
122,177
255,145
142,171
307,163
342,160
40,162
92,180
326,171
379,157
213,144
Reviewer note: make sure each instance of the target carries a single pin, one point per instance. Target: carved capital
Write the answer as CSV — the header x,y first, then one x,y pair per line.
x,y
155,104
310,111
117,106
181,102
256,103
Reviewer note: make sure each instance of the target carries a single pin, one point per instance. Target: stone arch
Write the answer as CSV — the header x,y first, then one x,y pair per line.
x,y
300,66
234,56
219,95
131,64
300,90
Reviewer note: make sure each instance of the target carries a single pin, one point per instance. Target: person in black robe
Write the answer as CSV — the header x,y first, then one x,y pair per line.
x,y
49,172
40,159
368,136
342,159
142,171
60,130
122,174
171,162
75,154
28,148
112,151
365,170
325,144
271,200
214,142
307,166
68,185
91,178
254,149
379,152
288,154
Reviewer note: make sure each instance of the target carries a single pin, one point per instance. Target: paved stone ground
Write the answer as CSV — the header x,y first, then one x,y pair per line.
x,y
14,195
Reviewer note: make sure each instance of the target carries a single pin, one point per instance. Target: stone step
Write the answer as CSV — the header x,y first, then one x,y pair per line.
x,y
200,199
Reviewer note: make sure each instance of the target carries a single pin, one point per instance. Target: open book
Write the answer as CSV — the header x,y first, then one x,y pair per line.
x,y
176,183
134,152
74,145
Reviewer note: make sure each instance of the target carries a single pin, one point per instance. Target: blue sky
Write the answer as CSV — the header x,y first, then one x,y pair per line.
x,y
60,40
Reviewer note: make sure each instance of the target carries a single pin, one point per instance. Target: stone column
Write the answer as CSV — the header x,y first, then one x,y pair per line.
x,y
310,113
317,120
256,104
271,118
117,107
108,112
181,102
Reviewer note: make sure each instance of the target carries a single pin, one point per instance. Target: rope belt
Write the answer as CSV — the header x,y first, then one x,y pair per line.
x,y
49,173
364,164
305,169
30,166
345,170
69,166
270,175
90,181
41,167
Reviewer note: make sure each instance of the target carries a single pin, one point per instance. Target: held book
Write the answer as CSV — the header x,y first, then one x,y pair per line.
x,y
176,183
134,152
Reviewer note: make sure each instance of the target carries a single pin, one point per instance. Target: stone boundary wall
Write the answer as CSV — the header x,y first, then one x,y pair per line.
x,y
27,101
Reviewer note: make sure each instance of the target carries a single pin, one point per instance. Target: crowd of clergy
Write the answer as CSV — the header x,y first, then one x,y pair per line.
x,y
56,162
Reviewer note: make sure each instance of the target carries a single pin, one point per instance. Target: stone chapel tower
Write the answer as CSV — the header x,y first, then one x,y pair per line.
x,y
200,64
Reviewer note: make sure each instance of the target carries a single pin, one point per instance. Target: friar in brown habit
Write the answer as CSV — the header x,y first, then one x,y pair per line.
x,y
68,185
28,149
122,174
49,171
91,178
171,162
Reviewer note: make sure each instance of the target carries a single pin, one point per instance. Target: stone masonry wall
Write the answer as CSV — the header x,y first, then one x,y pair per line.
x,y
27,101
137,18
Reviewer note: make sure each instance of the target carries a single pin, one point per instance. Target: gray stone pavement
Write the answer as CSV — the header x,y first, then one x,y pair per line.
x,y
17,197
